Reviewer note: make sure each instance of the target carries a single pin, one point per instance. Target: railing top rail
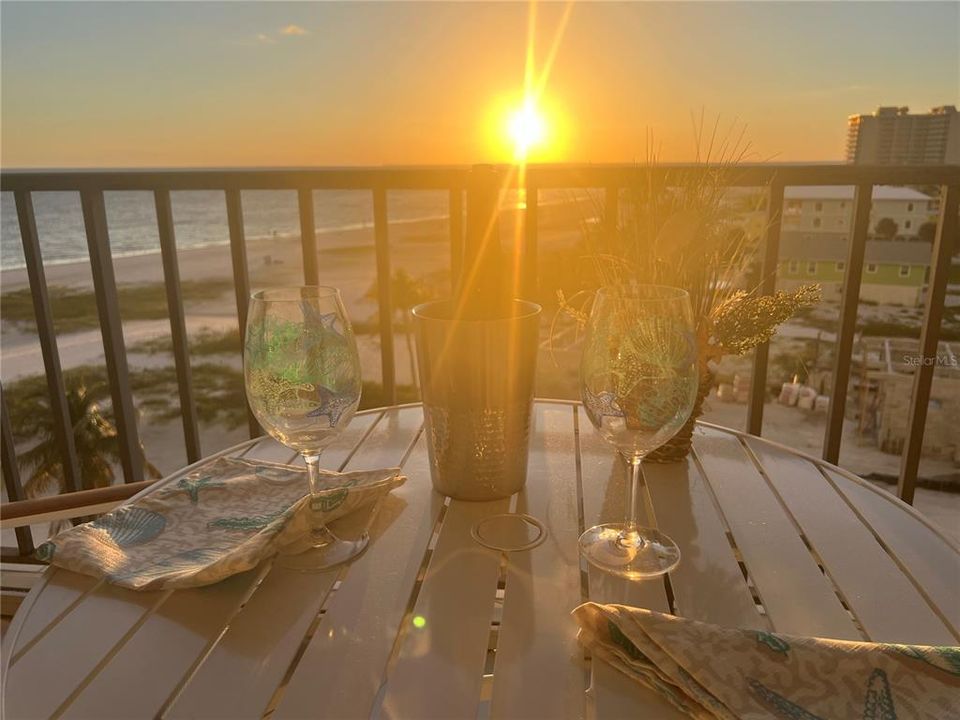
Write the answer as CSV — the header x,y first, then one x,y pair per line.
x,y
340,178
744,175
456,177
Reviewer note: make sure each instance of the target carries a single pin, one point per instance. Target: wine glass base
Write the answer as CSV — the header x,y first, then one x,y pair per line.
x,y
323,556
645,553
509,532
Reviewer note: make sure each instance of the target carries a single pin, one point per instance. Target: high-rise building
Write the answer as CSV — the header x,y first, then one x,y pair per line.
x,y
892,136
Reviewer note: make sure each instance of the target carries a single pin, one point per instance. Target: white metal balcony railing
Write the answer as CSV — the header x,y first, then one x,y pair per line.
x,y
469,190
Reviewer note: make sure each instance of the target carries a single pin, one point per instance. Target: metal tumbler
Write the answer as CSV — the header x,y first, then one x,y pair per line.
x,y
477,379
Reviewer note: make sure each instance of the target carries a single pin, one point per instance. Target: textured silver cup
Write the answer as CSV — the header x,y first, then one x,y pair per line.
x,y
477,379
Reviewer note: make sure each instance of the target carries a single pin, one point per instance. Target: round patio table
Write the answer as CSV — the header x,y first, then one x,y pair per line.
x,y
426,623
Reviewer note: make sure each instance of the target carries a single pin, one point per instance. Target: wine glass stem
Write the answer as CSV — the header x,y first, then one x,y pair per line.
x,y
313,473
635,489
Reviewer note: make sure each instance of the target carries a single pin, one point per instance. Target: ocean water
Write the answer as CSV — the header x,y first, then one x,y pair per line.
x,y
200,219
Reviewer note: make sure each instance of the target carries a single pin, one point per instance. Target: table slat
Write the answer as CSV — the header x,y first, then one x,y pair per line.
x,y
77,645
538,637
439,666
708,585
152,661
603,482
57,593
887,605
799,599
928,558
263,639
343,667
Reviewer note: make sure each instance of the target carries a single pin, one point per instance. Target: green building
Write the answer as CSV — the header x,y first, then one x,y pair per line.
x,y
895,272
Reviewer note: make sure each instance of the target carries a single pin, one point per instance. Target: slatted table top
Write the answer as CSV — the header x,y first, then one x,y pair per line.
x,y
428,624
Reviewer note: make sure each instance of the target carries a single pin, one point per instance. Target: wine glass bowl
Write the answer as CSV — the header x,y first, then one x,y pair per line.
x,y
638,381
302,376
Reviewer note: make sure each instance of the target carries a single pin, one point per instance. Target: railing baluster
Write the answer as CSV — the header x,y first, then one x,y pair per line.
x,y
111,329
384,297
241,278
929,336
456,237
308,237
11,475
178,327
768,283
850,300
62,424
238,257
531,228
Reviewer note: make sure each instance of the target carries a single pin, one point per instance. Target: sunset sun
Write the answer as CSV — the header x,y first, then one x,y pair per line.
x,y
527,129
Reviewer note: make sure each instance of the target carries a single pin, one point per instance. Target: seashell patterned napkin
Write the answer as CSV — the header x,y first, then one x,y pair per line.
x,y
221,519
708,671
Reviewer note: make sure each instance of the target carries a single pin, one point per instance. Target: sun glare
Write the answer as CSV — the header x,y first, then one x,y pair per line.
x,y
527,130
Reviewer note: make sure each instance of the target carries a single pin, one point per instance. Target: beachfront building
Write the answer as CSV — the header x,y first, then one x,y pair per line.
x,y
894,273
894,136
883,376
828,210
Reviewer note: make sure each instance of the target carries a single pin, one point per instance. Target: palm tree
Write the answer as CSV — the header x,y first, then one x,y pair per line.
x,y
94,435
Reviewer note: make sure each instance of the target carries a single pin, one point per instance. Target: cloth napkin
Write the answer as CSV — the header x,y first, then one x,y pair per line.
x,y
219,520
709,671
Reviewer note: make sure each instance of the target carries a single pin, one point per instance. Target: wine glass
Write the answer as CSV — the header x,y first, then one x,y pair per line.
x,y
638,382
302,375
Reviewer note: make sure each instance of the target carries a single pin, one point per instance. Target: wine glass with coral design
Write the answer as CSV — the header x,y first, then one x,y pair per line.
x,y
638,381
302,375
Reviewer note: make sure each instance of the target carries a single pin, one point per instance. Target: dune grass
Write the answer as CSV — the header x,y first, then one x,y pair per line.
x,y
76,309
205,342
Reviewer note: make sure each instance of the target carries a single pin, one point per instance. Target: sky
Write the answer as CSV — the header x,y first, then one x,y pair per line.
x,y
203,84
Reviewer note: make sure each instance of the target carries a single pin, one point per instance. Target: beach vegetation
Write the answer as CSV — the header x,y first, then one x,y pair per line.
x,y
94,434
75,309
204,342
219,396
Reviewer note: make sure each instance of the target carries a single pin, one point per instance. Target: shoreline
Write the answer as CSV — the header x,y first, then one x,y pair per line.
x,y
318,231
347,235
212,260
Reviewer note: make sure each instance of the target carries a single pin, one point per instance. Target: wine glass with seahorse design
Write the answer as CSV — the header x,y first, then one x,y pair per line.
x,y
302,375
638,382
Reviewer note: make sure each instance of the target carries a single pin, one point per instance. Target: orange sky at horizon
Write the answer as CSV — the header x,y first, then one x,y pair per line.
x,y
278,84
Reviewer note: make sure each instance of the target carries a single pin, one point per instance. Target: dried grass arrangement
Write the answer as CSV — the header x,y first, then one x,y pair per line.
x,y
678,227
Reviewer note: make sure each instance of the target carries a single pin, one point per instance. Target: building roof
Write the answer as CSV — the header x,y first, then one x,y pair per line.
x,y
845,192
833,246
